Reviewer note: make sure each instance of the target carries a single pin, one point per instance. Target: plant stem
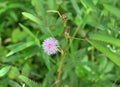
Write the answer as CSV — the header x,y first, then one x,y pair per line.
x,y
76,38
59,71
63,54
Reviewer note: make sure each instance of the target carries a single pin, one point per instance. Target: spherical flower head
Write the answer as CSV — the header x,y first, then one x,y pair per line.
x,y
50,45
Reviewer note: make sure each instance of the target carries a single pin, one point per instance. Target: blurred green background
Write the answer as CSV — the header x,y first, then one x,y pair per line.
x,y
93,58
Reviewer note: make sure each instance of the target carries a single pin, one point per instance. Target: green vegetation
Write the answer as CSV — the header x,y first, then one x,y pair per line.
x,y
88,33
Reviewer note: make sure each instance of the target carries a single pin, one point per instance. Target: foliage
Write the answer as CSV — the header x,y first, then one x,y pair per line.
x,y
88,32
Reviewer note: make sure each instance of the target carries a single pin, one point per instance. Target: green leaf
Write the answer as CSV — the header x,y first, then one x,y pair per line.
x,y
26,70
81,71
115,11
109,67
39,7
14,73
36,20
18,35
4,70
112,56
13,84
28,81
52,4
27,53
30,33
27,30
106,39
46,60
13,46
48,76
4,82
20,47
94,22
76,7
14,58
14,5
88,3
32,17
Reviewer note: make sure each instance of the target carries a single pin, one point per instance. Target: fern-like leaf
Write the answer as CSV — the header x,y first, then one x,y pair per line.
x,y
106,39
28,81
112,56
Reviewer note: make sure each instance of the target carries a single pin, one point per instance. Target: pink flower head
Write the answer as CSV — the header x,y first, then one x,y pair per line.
x,y
50,45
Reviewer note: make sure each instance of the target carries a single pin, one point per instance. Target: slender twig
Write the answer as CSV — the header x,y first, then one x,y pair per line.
x,y
55,11
59,71
76,38
63,54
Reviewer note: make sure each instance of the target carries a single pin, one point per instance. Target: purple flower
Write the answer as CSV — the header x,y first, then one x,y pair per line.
x,y
50,45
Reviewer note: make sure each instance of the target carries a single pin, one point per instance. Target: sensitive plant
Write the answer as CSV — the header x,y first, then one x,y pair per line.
x,y
87,54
